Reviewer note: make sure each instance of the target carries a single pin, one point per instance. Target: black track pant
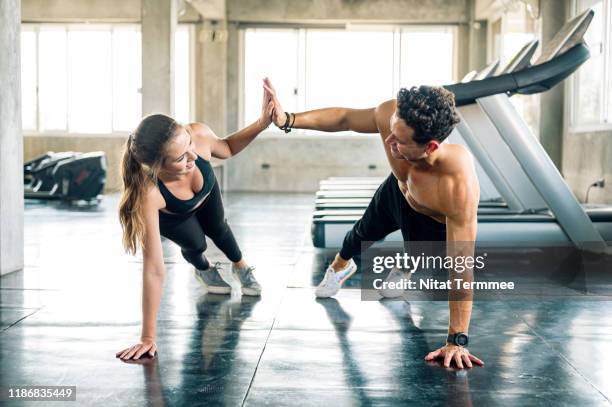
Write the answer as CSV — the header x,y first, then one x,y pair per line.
x,y
188,231
387,212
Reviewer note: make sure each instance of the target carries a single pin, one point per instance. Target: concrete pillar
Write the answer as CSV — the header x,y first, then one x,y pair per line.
x,y
472,43
211,75
234,60
11,139
463,50
476,39
158,25
478,45
554,14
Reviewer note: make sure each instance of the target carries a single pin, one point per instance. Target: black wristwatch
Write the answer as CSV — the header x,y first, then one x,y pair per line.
x,y
459,339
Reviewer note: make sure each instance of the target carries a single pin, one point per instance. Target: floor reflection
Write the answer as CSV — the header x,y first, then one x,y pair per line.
x,y
65,316
208,365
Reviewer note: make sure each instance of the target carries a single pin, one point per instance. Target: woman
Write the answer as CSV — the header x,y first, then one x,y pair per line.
x,y
170,190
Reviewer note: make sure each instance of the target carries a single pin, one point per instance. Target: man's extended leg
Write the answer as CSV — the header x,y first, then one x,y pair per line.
x,y
415,227
379,219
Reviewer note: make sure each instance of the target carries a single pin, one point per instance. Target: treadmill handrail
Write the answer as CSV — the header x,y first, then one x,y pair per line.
x,y
542,172
536,76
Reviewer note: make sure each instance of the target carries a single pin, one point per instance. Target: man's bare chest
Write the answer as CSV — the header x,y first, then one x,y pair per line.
x,y
421,191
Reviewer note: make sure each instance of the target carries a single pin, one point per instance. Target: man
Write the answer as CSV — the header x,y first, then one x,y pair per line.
x,y
432,193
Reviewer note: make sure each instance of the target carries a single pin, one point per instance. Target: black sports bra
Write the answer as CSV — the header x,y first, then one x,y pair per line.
x,y
182,206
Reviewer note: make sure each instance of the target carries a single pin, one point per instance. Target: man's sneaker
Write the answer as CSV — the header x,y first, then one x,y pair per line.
x,y
250,286
333,280
395,279
212,280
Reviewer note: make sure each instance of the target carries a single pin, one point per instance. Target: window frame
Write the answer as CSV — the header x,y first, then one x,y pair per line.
x,y
80,27
420,28
301,29
571,89
55,132
36,27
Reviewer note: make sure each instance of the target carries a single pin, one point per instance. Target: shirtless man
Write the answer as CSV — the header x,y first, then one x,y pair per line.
x,y
432,193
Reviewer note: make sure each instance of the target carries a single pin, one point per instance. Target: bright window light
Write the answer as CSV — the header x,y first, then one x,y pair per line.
x,y
89,83
273,54
427,57
182,87
588,95
28,79
52,78
127,78
348,68
89,77
609,64
358,68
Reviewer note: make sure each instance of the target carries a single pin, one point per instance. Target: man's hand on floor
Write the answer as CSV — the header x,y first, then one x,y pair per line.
x,y
462,356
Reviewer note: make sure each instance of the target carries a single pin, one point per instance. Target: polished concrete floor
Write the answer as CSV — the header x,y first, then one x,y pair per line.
x,y
78,302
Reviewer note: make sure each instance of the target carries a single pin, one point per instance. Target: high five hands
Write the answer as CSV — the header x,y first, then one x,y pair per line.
x,y
278,114
267,107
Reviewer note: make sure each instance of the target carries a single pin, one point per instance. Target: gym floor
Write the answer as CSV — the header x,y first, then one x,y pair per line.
x,y
78,302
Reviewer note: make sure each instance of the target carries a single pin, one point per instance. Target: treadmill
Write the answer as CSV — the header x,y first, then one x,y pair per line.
x,y
538,204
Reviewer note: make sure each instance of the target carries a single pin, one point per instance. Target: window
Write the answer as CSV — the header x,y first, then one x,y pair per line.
x,y
348,68
508,34
28,78
279,62
358,67
87,78
421,66
52,78
127,77
590,103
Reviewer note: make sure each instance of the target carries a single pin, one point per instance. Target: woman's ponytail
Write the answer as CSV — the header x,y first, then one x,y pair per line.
x,y
143,157
130,208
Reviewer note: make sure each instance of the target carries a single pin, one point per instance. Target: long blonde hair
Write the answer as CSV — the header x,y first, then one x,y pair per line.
x,y
143,156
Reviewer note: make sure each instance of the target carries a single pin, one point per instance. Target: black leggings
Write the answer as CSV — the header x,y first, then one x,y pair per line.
x,y
188,231
387,212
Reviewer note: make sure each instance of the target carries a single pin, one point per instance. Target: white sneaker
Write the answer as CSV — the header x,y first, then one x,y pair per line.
x,y
395,277
333,280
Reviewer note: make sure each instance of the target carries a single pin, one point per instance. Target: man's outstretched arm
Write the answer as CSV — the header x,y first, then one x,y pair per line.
x,y
462,198
329,119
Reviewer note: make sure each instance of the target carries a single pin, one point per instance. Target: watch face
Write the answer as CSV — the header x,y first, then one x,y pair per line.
x,y
461,340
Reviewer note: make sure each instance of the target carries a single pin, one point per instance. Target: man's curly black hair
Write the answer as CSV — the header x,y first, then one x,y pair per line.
x,y
429,110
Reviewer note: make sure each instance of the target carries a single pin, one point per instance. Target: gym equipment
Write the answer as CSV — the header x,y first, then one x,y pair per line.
x,y
534,204
67,176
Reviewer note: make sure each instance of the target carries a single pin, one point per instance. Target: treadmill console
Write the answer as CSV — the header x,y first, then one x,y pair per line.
x,y
568,36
